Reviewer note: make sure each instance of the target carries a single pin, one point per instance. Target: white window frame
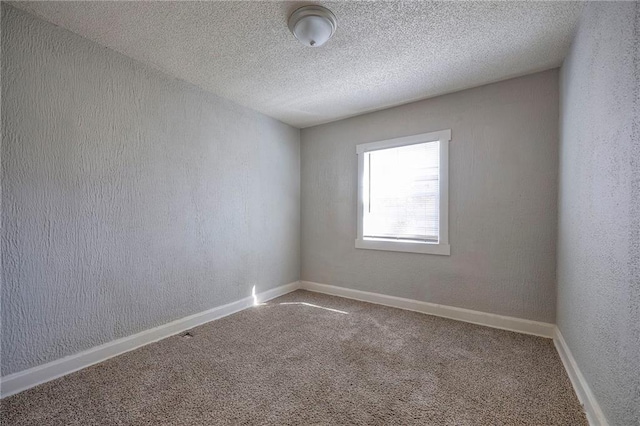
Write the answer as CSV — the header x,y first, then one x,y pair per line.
x,y
442,246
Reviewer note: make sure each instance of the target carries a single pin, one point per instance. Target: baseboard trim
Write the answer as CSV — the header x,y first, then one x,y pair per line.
x,y
23,380
592,409
595,416
467,315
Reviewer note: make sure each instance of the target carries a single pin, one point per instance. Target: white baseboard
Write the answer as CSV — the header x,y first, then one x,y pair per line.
x,y
23,380
519,325
595,416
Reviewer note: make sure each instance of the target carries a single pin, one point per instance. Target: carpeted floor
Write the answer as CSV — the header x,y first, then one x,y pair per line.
x,y
307,358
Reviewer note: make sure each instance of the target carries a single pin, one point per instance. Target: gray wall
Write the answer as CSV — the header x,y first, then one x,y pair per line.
x,y
503,198
599,207
129,199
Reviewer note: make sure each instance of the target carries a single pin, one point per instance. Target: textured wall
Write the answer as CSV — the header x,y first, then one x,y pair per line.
x,y
129,199
503,197
599,207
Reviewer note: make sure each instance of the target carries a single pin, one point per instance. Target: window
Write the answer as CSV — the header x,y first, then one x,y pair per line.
x,y
403,194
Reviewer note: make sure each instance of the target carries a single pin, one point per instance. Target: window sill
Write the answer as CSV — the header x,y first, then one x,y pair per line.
x,y
404,246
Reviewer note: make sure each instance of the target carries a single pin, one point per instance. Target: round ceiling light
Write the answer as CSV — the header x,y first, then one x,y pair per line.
x,y
312,25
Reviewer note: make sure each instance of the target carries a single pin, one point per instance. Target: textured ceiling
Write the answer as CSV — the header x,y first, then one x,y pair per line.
x,y
383,53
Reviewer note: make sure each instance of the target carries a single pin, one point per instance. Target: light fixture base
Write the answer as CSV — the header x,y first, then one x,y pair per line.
x,y
312,25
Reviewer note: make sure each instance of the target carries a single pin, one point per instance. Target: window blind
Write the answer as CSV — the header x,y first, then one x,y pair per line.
x,y
402,192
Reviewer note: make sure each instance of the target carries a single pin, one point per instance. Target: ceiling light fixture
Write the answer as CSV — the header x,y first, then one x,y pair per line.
x,y
312,25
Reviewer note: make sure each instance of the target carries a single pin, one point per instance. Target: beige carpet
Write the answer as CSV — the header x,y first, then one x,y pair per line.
x,y
307,358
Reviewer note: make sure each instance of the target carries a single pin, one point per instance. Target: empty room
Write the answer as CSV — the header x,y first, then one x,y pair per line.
x,y
320,213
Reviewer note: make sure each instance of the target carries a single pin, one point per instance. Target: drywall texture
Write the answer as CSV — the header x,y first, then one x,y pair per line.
x,y
129,199
599,207
382,53
502,212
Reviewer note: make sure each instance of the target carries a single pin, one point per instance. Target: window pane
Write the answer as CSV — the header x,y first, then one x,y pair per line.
x,y
401,192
